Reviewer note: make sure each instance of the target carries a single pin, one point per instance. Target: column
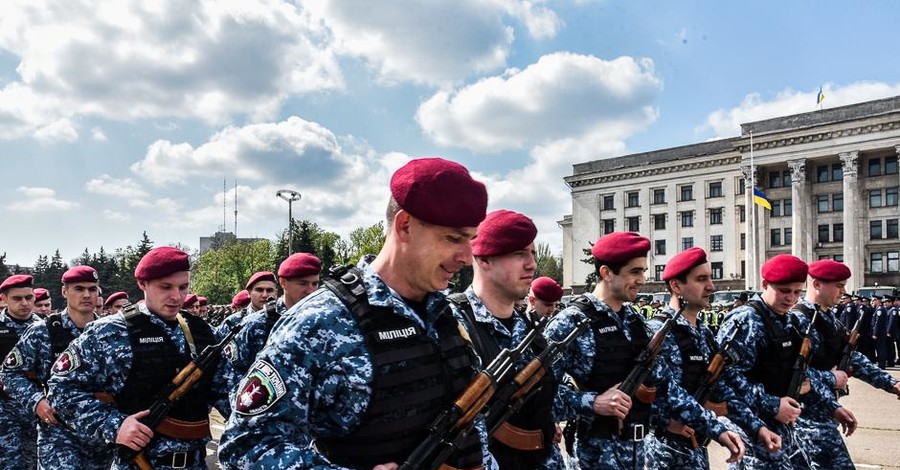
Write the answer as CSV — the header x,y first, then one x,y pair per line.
x,y
801,222
854,234
753,240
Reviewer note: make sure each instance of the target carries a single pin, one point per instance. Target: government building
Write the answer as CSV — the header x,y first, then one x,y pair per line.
x,y
830,175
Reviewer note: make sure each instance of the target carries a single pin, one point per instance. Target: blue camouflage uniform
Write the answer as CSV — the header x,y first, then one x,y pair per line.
x,y
595,452
507,339
816,430
314,380
18,424
241,351
101,362
231,320
58,447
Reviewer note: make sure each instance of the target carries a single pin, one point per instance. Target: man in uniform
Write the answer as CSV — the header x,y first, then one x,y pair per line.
x,y
192,304
203,309
131,357
644,308
880,320
18,427
260,287
26,378
866,344
614,425
544,297
43,306
298,275
689,348
116,302
364,382
503,268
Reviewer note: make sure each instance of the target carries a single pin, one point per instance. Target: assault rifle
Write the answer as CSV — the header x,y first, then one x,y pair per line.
x,y
802,361
183,382
849,348
455,423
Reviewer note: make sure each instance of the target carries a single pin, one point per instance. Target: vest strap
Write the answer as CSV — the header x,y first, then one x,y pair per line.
x,y
189,338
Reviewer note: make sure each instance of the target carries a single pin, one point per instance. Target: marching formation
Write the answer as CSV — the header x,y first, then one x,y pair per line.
x,y
376,366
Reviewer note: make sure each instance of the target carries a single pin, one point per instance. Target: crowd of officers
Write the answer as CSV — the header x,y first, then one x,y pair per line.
x,y
348,369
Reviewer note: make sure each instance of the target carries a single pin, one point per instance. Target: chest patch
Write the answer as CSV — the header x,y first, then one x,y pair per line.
x,y
607,329
13,359
260,389
151,340
394,335
66,362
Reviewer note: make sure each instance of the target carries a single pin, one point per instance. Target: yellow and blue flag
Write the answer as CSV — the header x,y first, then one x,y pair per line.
x,y
761,199
820,97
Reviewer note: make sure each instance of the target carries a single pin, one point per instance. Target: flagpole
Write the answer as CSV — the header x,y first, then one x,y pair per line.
x,y
751,269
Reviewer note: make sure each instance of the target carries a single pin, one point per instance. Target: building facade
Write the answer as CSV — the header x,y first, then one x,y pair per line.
x,y
831,176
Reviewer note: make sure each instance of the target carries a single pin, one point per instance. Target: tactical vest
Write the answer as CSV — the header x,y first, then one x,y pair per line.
x,y
272,316
693,362
833,338
614,358
60,337
156,362
775,362
8,339
413,381
536,414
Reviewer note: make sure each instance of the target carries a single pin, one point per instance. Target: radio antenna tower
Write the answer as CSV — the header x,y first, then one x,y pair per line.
x,y
224,204
235,208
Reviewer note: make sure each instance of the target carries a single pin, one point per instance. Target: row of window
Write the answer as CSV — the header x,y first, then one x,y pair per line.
x,y
885,198
715,244
875,166
685,192
633,224
890,229
776,239
718,270
884,262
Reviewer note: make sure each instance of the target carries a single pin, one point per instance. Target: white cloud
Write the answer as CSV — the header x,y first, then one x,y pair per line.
x,y
98,135
727,122
39,200
106,185
116,216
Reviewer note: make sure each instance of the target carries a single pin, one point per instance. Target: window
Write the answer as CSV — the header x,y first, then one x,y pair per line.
x,y
687,219
893,264
743,213
717,271
875,198
823,233
739,185
660,247
786,179
876,262
838,232
822,174
775,236
875,229
715,216
837,172
659,221
715,243
633,224
743,269
609,203
659,196
609,226
839,258
891,228
890,168
788,207
774,179
890,196
776,208
788,236
874,167
659,270
687,243
634,199
743,241
687,193
715,189
822,203
837,202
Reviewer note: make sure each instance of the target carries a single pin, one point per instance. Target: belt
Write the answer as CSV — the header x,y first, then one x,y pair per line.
x,y
663,433
184,429
719,408
447,467
518,438
177,459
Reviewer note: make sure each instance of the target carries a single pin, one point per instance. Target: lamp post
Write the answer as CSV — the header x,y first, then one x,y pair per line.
x,y
290,196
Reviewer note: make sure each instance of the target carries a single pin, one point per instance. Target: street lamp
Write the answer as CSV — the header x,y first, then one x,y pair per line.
x,y
290,196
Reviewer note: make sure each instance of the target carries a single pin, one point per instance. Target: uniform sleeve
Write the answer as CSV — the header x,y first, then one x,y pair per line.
x,y
871,374
33,346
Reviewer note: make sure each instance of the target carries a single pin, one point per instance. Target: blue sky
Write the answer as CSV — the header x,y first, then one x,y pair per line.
x,y
123,116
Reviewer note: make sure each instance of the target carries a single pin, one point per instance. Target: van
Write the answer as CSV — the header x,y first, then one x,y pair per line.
x,y
878,291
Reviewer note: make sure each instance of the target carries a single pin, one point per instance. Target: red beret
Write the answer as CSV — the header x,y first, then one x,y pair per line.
x,y
503,232
546,289
260,276
203,300
16,280
41,294
190,300
299,265
620,247
240,300
829,270
440,192
114,297
784,269
80,274
684,262
161,262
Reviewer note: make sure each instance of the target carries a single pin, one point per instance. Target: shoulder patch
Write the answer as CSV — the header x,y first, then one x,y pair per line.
x,y
13,359
230,351
259,390
66,362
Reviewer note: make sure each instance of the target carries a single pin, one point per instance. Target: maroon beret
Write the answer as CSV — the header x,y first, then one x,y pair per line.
x,y
203,300
829,270
620,247
114,297
190,300
80,274
503,232
240,300
16,280
41,294
546,289
299,265
684,262
161,262
784,269
260,276
440,192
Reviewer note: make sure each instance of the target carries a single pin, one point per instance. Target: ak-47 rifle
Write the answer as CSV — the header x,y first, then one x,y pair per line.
x,y
801,364
509,399
456,422
847,353
183,382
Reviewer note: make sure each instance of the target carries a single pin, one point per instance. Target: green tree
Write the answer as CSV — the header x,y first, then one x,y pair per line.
x,y
4,269
591,278
219,274
309,238
548,264
364,241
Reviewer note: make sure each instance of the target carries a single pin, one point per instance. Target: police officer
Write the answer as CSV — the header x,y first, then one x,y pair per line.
x,y
363,383
192,304
603,356
259,288
203,308
543,297
58,446
644,308
133,355
298,275
892,328
503,268
866,343
43,305
18,429
116,302
689,348
880,322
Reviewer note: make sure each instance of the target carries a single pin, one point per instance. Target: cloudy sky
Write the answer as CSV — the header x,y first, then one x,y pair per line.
x,y
121,116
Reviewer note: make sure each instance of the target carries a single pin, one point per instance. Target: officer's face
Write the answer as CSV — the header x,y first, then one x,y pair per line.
x,y
509,275
165,296
82,297
698,288
19,302
297,288
203,311
432,254
260,293
781,297
542,308
117,306
43,307
626,285
829,292
195,308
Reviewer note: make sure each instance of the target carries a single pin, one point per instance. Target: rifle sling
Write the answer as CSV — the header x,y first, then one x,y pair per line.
x,y
189,338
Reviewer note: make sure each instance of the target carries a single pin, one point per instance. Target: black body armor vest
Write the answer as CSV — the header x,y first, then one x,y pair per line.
x,y
834,337
693,363
60,337
8,339
775,363
414,380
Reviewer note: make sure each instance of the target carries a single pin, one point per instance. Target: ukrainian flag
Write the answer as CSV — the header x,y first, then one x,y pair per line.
x,y
761,199
820,97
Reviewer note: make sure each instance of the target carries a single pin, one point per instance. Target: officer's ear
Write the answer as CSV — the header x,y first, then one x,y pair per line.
x,y
402,225
674,287
142,285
